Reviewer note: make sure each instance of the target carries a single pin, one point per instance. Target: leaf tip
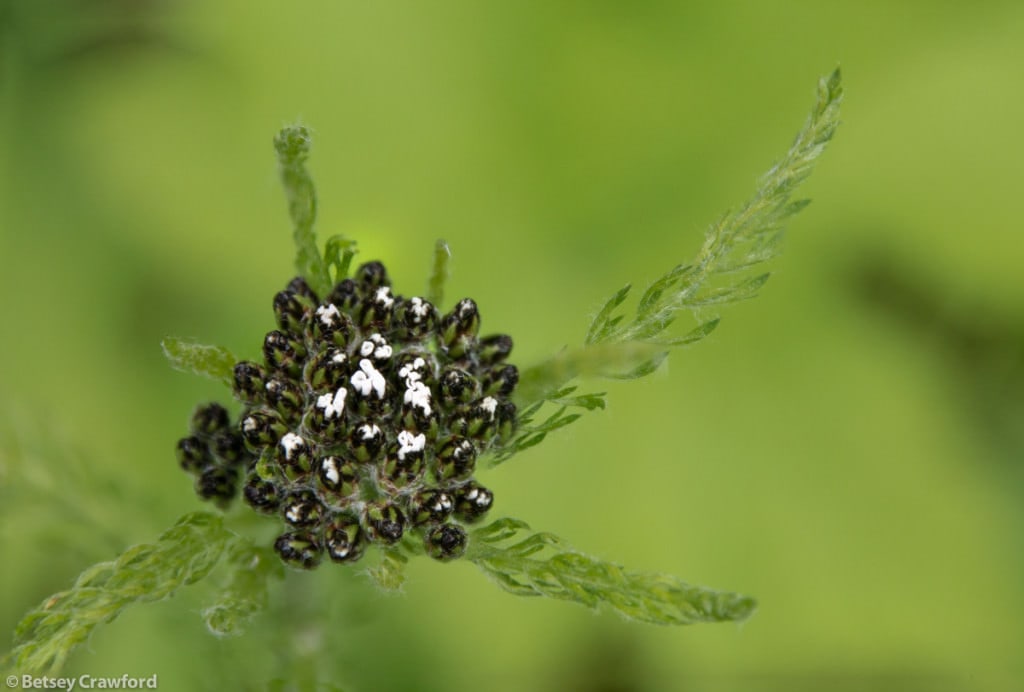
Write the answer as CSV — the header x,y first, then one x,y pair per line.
x,y
292,144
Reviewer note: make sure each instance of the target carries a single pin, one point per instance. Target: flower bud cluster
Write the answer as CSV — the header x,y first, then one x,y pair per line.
x,y
363,423
215,454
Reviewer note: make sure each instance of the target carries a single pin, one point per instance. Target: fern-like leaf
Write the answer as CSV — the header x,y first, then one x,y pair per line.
x,y
541,564
246,593
148,572
215,362
292,145
727,269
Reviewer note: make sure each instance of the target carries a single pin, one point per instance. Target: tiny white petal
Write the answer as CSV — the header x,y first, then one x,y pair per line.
x,y
328,314
383,297
418,395
333,405
489,404
368,379
410,443
290,442
330,468
419,309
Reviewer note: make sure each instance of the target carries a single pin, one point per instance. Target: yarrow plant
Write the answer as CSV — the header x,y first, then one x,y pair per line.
x,y
364,426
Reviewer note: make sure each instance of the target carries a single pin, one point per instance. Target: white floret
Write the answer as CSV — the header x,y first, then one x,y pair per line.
x,y
333,405
250,423
368,379
410,443
290,442
339,358
419,309
376,345
330,468
368,432
417,395
328,314
383,297
465,308
411,371
489,404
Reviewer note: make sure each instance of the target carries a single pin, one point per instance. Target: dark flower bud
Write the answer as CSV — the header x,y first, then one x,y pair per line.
x,y
217,483
229,447
445,542
294,456
431,506
262,428
378,308
343,539
479,421
383,522
506,418
421,419
299,549
299,287
365,442
193,454
290,311
329,325
302,509
285,397
404,464
250,381
493,349
262,495
338,476
209,419
458,386
326,417
472,501
459,327
415,318
456,459
283,354
369,390
345,295
372,275
329,369
500,381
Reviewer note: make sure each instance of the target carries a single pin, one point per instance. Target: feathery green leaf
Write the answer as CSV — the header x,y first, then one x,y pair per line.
x,y
338,253
541,564
389,573
292,145
439,273
148,572
215,362
739,242
245,595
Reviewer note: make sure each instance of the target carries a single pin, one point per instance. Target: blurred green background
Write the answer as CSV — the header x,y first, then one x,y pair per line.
x,y
849,447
